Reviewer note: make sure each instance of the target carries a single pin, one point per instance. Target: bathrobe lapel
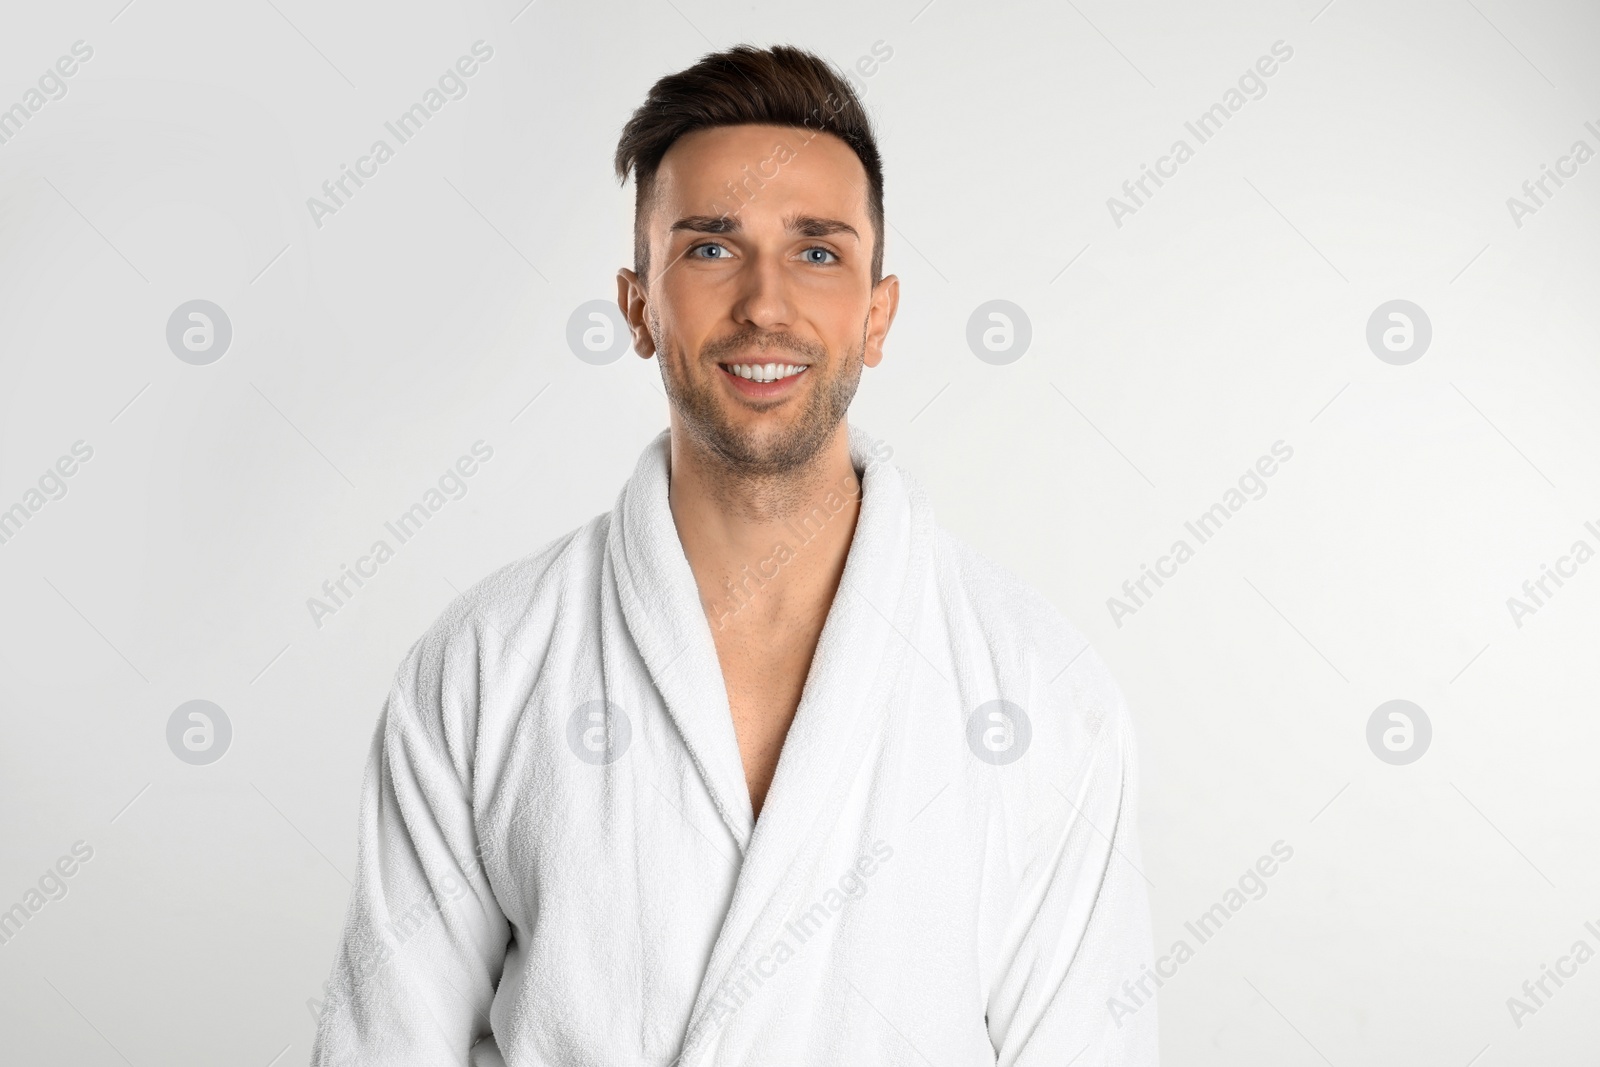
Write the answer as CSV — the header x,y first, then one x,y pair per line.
x,y
849,694
662,612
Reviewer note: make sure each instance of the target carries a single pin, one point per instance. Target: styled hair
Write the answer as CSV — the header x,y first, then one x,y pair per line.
x,y
778,86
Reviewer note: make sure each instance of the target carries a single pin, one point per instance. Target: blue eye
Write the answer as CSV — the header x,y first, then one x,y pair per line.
x,y
722,253
812,256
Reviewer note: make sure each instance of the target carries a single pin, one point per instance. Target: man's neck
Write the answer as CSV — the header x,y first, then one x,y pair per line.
x,y
766,551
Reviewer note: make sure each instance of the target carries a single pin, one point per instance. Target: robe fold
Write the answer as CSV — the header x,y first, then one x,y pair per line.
x,y
558,863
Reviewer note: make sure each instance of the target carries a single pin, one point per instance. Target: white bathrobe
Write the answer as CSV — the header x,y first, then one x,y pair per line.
x,y
558,862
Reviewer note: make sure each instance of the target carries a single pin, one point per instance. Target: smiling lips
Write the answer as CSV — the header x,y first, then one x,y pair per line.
x,y
763,372
762,379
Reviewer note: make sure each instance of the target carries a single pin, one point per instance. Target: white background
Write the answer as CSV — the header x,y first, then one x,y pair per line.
x,y
1228,313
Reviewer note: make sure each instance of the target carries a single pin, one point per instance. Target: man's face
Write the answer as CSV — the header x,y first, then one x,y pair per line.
x,y
760,302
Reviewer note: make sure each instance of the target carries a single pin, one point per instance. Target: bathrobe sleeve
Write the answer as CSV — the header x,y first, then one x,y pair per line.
x,y
1084,923
424,937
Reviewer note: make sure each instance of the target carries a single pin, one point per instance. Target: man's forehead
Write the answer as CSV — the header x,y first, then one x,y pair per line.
x,y
735,168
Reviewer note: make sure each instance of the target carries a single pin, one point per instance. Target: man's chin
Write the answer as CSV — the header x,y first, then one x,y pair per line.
x,y
763,437
765,443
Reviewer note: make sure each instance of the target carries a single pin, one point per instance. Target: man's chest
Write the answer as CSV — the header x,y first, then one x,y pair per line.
x,y
764,671
620,877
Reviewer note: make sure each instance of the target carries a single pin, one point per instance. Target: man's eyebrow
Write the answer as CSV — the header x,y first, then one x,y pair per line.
x,y
707,224
812,226
802,225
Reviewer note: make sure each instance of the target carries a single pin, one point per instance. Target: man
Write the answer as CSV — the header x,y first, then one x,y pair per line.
x,y
761,767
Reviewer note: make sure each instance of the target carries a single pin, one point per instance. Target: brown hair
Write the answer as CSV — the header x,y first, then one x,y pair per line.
x,y
778,86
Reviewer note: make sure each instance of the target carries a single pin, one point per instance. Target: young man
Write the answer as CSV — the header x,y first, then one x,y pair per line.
x,y
762,766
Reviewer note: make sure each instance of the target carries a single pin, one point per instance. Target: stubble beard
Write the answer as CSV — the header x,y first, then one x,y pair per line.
x,y
776,466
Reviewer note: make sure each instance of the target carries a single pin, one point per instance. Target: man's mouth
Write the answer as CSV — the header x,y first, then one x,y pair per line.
x,y
763,373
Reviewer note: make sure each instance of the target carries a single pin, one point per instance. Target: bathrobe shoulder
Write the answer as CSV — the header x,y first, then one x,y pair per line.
x,y
558,861
425,936
1059,725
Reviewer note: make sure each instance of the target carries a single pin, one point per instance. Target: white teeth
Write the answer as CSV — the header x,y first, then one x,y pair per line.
x,y
765,372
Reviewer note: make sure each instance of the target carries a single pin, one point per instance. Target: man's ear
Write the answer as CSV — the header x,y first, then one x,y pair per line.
x,y
634,304
880,316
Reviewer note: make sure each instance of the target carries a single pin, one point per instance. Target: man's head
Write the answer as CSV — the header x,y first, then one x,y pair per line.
x,y
758,248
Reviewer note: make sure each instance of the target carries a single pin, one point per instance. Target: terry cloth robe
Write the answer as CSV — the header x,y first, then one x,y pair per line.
x,y
558,862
